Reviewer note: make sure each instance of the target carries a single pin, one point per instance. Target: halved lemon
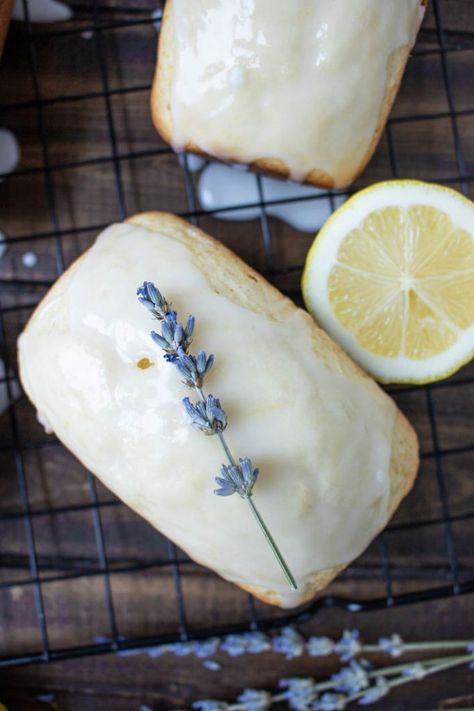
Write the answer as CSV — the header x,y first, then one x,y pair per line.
x,y
391,278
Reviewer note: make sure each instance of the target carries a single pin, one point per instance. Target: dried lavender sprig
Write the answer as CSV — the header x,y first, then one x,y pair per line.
x,y
207,414
290,643
304,693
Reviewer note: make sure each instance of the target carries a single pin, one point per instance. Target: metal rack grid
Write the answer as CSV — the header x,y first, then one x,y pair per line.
x,y
98,18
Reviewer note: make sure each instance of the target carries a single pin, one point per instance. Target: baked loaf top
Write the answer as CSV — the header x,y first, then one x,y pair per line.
x,y
335,454
301,88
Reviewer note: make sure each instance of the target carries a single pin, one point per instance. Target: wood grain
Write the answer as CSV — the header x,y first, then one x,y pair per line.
x,y
144,601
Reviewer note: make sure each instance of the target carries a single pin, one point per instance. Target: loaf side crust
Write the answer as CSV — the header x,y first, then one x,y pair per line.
x,y
161,110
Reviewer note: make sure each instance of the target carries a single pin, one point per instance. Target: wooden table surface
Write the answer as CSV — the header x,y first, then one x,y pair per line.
x,y
78,195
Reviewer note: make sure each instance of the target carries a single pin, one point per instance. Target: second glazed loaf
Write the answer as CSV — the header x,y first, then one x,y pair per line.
x,y
300,89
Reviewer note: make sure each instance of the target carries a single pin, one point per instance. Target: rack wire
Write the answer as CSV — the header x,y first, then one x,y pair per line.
x,y
24,567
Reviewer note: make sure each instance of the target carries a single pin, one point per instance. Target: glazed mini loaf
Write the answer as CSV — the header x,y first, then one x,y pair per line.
x,y
298,89
335,454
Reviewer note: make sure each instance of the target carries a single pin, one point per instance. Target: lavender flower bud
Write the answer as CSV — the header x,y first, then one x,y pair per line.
x,y
351,679
255,699
153,300
330,702
237,479
375,693
193,368
207,416
348,646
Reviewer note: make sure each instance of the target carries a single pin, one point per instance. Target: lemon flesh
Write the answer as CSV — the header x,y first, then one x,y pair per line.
x,y
391,278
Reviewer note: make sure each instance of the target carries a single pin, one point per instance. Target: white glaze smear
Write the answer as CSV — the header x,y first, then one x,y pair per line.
x,y
221,186
42,11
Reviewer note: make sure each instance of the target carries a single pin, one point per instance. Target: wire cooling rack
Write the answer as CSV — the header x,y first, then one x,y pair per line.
x,y
76,566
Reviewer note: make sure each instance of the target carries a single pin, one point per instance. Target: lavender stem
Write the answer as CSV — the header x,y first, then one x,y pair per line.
x,y
258,517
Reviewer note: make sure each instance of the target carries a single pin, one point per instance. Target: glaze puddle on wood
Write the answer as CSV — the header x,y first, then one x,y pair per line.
x,y
42,11
222,186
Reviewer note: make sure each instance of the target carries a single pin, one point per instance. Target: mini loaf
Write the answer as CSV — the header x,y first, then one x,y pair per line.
x,y
335,454
297,89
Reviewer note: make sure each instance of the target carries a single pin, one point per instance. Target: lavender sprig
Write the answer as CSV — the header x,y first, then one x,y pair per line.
x,y
206,414
358,685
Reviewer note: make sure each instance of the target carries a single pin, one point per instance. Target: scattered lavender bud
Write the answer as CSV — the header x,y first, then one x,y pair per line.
x,y
100,639
255,700
348,646
392,645
289,642
319,646
181,649
206,647
354,607
330,702
470,648
128,652
212,665
375,693
158,651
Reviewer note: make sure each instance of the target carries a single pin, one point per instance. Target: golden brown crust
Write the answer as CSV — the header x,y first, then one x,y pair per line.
x,y
253,291
161,110
160,90
5,15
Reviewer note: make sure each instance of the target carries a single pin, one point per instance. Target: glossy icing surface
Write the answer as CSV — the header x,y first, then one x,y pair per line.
x,y
303,81
321,439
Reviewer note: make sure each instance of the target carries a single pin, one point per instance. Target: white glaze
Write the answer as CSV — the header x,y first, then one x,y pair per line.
x,y
321,439
221,186
157,16
3,244
42,11
301,81
9,152
193,162
29,260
